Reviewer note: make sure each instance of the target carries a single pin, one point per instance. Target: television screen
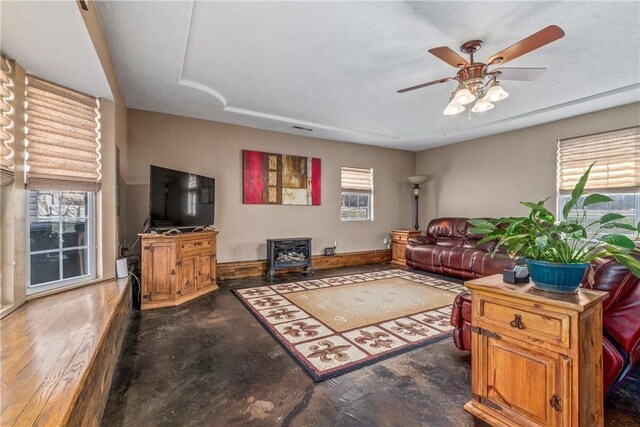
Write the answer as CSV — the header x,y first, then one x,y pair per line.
x,y
180,199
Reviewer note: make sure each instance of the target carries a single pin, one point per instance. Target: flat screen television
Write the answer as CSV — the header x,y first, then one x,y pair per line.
x,y
180,199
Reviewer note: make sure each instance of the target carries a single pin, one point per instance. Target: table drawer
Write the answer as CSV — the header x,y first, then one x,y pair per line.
x,y
525,323
400,237
203,245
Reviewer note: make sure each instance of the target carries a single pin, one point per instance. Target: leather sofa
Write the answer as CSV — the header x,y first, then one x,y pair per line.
x,y
450,249
620,315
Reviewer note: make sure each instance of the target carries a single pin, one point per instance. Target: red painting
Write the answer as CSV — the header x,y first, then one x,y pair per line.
x,y
280,179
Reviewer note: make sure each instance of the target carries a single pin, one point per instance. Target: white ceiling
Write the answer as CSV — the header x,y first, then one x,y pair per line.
x,y
335,66
50,40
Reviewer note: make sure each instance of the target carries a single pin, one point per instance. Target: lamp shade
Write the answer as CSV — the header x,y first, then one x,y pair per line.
x,y
463,97
482,105
495,93
417,180
453,108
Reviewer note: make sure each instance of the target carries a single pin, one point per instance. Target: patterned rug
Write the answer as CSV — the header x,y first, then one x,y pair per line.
x,y
335,325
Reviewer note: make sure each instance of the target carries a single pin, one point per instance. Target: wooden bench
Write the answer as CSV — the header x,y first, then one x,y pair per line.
x,y
58,355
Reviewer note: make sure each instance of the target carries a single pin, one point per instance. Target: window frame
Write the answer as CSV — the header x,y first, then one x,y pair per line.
x,y
359,194
561,201
365,190
91,249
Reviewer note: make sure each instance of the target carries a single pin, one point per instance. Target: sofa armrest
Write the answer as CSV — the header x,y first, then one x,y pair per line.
x,y
458,310
422,240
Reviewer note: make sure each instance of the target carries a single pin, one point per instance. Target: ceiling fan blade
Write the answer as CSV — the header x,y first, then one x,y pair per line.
x,y
449,56
520,74
533,42
407,89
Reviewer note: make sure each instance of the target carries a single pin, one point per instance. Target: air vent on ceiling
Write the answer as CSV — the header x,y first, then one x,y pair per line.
x,y
302,128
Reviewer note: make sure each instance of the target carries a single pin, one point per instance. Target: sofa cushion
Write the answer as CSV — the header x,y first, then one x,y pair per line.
x,y
449,242
448,227
459,258
424,254
485,265
621,308
473,244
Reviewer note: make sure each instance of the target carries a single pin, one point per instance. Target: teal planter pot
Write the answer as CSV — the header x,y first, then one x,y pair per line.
x,y
556,277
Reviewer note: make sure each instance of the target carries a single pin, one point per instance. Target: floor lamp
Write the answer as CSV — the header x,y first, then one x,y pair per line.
x,y
416,181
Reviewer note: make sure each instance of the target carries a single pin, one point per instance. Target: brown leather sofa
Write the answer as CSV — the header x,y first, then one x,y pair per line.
x,y
448,248
620,315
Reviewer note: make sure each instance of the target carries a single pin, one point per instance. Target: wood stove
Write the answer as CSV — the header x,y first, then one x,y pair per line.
x,y
288,253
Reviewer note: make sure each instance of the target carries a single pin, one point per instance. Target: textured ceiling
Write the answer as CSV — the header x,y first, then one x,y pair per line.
x,y
50,40
335,66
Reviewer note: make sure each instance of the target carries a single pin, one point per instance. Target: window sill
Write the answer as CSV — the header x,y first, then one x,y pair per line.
x,y
5,310
43,293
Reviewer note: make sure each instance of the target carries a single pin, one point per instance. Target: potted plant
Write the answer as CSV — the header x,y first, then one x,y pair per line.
x,y
557,252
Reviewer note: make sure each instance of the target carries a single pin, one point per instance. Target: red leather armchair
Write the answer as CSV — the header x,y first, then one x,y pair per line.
x,y
620,315
449,248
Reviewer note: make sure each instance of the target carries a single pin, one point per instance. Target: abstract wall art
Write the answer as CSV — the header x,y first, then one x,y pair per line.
x,y
280,179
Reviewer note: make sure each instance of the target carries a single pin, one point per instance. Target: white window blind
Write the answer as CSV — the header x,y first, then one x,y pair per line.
x,y
617,157
62,132
7,111
357,179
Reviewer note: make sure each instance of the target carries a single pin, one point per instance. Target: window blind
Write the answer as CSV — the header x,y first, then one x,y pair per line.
x,y
62,133
7,110
357,179
617,157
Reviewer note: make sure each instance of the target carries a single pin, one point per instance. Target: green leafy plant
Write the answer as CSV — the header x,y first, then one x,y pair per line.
x,y
569,240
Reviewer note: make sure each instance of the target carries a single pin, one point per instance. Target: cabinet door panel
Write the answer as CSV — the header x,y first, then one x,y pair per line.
x,y
205,270
161,272
188,275
523,381
397,251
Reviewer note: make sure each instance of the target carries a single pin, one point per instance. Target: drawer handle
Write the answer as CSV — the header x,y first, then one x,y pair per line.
x,y
555,402
517,322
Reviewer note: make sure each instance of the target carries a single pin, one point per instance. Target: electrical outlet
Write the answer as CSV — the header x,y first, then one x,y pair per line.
x,y
385,241
334,244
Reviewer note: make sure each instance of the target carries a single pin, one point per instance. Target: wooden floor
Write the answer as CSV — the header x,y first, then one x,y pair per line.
x,y
58,354
210,363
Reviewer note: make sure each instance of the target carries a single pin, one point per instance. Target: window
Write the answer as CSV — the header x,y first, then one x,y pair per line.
x,y
61,243
357,194
627,204
616,172
62,158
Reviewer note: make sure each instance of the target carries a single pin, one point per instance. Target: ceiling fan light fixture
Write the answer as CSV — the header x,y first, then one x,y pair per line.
x,y
463,96
482,105
495,93
453,108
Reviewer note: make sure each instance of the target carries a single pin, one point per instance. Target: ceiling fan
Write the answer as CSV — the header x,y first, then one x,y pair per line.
x,y
476,82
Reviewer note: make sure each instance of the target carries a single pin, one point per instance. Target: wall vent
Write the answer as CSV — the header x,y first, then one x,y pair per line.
x,y
301,128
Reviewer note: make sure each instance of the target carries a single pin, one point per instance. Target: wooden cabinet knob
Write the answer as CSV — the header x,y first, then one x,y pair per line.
x,y
555,402
517,322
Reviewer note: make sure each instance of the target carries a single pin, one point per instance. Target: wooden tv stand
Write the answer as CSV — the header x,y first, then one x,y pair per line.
x,y
177,268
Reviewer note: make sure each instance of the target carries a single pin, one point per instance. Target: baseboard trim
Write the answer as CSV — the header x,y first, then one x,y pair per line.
x,y
243,269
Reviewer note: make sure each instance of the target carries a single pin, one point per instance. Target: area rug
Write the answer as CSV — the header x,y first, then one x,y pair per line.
x,y
338,324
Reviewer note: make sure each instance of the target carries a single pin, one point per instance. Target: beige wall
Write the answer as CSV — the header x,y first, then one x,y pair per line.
x,y
215,149
489,176
114,133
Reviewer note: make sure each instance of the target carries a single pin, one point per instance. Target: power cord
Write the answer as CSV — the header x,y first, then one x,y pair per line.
x,y
173,231
139,285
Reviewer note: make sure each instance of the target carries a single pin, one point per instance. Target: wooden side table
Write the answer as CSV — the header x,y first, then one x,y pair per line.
x,y
537,356
399,240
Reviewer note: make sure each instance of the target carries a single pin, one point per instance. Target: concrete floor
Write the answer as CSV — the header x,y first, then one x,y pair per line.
x,y
210,363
